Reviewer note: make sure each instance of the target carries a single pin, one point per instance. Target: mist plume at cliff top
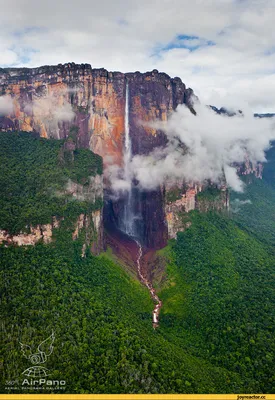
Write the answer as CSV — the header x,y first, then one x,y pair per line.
x,y
6,105
201,147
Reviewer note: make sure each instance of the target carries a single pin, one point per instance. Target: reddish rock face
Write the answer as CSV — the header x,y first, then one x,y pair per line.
x,y
97,98
93,101
152,96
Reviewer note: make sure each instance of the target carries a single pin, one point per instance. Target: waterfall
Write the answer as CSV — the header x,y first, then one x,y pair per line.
x,y
128,144
131,217
128,216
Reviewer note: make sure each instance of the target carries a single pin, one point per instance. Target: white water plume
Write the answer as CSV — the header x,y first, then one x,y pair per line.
x,y
128,216
202,147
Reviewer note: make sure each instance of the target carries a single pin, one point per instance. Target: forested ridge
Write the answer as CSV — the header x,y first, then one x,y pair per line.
x,y
216,331
219,299
34,174
102,322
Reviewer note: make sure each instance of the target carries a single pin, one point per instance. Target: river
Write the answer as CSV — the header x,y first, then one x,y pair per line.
x,y
152,291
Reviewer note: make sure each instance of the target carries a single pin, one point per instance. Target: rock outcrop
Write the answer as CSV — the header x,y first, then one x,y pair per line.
x,y
176,209
192,197
37,233
90,192
249,168
89,104
91,226
86,107
96,98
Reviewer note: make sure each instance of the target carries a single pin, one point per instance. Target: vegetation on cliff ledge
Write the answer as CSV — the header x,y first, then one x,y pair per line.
x,y
218,299
101,317
216,331
33,178
102,320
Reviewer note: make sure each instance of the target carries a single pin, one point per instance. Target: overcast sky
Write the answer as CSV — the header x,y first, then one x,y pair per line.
x,y
223,49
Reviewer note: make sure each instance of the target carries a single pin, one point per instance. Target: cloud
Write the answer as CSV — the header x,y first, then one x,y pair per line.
x,y
75,191
63,113
236,204
242,34
232,178
117,178
204,147
49,110
48,107
6,105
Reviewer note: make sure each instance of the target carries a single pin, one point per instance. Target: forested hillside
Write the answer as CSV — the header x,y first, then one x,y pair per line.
x,y
219,299
220,291
216,331
33,178
100,316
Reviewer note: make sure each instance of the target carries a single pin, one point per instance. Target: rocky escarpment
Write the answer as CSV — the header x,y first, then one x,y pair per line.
x,y
88,105
37,233
250,168
46,186
182,198
91,226
87,227
97,98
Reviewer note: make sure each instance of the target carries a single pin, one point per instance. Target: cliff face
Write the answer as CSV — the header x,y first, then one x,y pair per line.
x,y
176,210
65,100
38,233
87,107
181,199
152,97
249,168
97,99
93,99
91,226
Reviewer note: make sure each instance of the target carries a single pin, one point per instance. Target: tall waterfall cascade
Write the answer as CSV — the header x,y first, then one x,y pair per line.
x,y
129,215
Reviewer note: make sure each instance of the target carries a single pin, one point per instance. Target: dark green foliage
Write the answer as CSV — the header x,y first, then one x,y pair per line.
x,y
102,318
254,210
102,321
83,109
210,193
34,172
173,195
216,331
221,303
83,165
73,133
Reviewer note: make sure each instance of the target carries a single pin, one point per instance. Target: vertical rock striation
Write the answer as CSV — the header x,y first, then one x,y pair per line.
x,y
88,104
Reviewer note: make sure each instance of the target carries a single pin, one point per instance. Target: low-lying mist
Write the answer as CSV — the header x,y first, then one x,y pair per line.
x,y
201,147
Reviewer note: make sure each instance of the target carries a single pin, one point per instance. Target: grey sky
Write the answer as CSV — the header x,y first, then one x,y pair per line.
x,y
223,49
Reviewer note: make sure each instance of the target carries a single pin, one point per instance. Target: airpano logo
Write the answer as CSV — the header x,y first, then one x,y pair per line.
x,y
35,375
44,350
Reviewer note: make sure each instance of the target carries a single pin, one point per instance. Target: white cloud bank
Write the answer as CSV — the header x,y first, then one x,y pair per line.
x,y
129,35
51,112
212,144
6,105
237,204
48,108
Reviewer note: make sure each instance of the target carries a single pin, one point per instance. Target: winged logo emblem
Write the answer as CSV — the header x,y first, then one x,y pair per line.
x,y
43,351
